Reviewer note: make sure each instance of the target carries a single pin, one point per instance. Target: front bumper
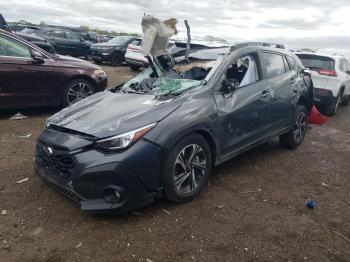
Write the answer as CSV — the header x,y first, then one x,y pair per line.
x,y
99,56
90,177
136,62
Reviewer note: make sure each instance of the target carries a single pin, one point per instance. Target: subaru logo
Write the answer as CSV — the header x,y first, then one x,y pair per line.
x,y
48,150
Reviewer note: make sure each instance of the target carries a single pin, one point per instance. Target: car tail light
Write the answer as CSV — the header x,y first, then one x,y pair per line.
x,y
327,72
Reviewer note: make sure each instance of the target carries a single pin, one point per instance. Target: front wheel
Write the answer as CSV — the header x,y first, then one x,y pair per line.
x,y
297,131
187,169
117,59
77,90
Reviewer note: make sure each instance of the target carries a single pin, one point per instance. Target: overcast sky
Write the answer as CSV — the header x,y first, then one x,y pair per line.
x,y
298,23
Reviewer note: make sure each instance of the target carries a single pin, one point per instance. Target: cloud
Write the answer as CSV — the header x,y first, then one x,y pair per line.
x,y
312,22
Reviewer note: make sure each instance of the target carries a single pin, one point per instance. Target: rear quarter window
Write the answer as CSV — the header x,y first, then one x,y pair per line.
x,y
317,62
273,64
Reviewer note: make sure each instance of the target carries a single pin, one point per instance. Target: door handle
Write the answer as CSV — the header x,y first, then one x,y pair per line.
x,y
265,93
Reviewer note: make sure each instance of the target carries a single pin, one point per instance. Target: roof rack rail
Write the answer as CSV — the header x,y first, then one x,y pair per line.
x,y
238,46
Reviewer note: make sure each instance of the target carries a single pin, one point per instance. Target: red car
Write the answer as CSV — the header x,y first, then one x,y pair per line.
x,y
30,76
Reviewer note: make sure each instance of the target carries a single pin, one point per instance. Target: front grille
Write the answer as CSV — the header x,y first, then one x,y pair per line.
x,y
55,161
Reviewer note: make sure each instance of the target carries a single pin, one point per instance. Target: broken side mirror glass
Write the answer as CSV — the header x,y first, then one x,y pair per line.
x,y
229,86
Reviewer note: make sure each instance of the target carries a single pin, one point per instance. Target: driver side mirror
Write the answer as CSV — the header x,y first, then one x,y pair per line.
x,y
228,87
38,57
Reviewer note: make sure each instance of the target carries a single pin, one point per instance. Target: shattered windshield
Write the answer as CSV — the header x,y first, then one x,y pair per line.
x,y
181,76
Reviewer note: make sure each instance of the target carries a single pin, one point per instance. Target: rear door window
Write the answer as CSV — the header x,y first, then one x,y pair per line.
x,y
273,64
291,61
59,34
316,62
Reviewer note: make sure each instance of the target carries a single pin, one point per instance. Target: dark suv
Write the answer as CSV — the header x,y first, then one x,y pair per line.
x,y
29,76
161,133
112,51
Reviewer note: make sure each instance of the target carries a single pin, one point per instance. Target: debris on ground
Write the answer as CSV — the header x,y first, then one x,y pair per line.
x,y
148,260
324,184
18,116
4,212
25,136
22,180
310,203
79,245
342,236
166,211
220,206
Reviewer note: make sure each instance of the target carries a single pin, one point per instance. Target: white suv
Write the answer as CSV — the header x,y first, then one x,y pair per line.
x,y
331,78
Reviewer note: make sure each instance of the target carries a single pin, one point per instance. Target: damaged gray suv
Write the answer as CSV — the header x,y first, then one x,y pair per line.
x,y
161,133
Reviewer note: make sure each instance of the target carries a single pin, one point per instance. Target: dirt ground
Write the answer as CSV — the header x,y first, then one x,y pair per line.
x,y
253,208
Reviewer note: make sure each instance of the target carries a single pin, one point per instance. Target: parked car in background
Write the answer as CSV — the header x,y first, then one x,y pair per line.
x,y
29,34
133,57
65,42
160,133
31,77
331,77
112,51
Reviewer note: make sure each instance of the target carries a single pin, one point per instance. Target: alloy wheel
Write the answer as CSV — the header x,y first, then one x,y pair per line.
x,y
190,168
78,91
300,127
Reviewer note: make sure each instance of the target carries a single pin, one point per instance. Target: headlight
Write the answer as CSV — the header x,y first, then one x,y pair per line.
x,y
100,73
124,140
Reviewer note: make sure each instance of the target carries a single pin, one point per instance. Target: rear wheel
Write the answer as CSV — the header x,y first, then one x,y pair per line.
x,y
331,109
77,90
297,131
117,59
346,100
187,169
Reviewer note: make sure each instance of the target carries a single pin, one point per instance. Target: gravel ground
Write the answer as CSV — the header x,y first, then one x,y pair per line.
x,y
253,208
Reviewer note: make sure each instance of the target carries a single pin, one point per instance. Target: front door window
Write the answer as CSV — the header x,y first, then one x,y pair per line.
x,y
13,48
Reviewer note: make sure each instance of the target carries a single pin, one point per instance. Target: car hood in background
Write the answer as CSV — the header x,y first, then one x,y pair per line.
x,y
106,114
68,61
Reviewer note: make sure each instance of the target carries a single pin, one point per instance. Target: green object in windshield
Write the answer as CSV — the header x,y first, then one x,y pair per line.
x,y
163,86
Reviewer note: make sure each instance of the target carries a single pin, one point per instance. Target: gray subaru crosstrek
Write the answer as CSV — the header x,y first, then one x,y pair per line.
x,y
161,133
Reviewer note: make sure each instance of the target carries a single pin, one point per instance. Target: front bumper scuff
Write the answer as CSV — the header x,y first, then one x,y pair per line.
x,y
95,171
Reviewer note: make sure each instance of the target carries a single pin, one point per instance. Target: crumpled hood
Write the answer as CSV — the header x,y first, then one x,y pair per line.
x,y
106,114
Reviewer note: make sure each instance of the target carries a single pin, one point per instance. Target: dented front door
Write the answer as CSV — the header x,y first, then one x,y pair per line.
x,y
244,117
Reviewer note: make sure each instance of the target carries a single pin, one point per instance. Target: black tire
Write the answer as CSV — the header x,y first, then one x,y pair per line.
x,y
195,172
331,109
298,128
345,101
86,87
117,59
135,67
